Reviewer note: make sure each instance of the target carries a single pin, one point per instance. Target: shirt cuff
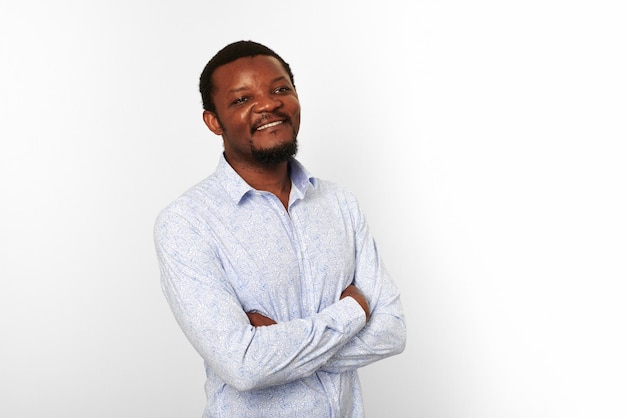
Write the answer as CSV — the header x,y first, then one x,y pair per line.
x,y
347,315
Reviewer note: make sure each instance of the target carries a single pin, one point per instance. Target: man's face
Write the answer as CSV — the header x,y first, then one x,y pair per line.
x,y
257,110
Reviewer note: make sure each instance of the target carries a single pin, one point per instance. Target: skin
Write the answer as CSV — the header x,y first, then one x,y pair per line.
x,y
252,93
259,320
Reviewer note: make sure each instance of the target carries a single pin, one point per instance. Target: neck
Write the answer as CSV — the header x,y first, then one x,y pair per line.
x,y
274,179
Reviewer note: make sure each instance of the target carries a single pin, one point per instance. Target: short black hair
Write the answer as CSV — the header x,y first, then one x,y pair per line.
x,y
230,53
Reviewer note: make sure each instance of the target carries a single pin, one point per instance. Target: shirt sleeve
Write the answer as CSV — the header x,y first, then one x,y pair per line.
x,y
385,333
210,315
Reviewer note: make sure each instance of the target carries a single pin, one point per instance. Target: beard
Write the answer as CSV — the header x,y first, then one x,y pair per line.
x,y
271,157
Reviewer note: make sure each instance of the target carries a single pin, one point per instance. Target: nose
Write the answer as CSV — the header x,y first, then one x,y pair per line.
x,y
267,103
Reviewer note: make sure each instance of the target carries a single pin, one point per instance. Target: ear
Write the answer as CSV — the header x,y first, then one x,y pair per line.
x,y
211,121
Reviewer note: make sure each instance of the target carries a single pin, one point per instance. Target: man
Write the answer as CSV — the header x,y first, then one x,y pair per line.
x,y
271,273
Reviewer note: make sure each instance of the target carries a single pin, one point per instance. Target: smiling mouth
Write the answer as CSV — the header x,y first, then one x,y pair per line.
x,y
269,125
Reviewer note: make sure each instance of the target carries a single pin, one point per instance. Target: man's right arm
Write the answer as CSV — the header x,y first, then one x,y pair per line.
x,y
353,292
260,320
210,314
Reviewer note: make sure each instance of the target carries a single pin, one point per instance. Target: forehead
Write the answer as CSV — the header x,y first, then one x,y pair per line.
x,y
247,72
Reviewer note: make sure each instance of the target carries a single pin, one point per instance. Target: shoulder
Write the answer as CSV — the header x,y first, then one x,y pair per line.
x,y
191,207
331,190
315,186
193,197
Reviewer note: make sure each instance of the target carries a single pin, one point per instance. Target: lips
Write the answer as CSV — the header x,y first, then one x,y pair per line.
x,y
270,120
269,125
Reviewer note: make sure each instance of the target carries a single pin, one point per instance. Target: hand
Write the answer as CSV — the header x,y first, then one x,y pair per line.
x,y
357,295
259,320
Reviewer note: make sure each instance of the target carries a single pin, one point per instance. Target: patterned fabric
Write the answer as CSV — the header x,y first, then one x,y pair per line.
x,y
225,249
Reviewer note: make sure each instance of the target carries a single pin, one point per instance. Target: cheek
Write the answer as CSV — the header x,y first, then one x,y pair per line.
x,y
297,115
243,118
237,122
294,109
295,103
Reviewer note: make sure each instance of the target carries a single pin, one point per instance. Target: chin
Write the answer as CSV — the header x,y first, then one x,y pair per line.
x,y
275,155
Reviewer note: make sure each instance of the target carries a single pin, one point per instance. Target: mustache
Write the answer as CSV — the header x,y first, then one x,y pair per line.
x,y
268,116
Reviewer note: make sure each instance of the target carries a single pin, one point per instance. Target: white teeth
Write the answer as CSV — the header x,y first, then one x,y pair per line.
x,y
269,125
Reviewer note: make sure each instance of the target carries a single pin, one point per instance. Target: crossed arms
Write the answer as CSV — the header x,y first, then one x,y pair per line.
x,y
364,325
260,320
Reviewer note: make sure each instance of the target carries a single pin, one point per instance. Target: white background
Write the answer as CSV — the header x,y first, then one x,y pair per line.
x,y
484,139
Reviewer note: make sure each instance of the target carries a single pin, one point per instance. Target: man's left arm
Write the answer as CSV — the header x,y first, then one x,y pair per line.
x,y
385,333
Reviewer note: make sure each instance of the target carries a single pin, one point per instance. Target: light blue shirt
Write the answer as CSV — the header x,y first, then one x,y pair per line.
x,y
225,249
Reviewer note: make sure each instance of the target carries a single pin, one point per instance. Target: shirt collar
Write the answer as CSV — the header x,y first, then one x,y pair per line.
x,y
237,188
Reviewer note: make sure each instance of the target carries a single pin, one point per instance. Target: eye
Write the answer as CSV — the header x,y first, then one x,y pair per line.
x,y
238,101
282,89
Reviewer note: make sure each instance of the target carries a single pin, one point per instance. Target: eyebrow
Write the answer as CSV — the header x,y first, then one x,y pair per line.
x,y
242,88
